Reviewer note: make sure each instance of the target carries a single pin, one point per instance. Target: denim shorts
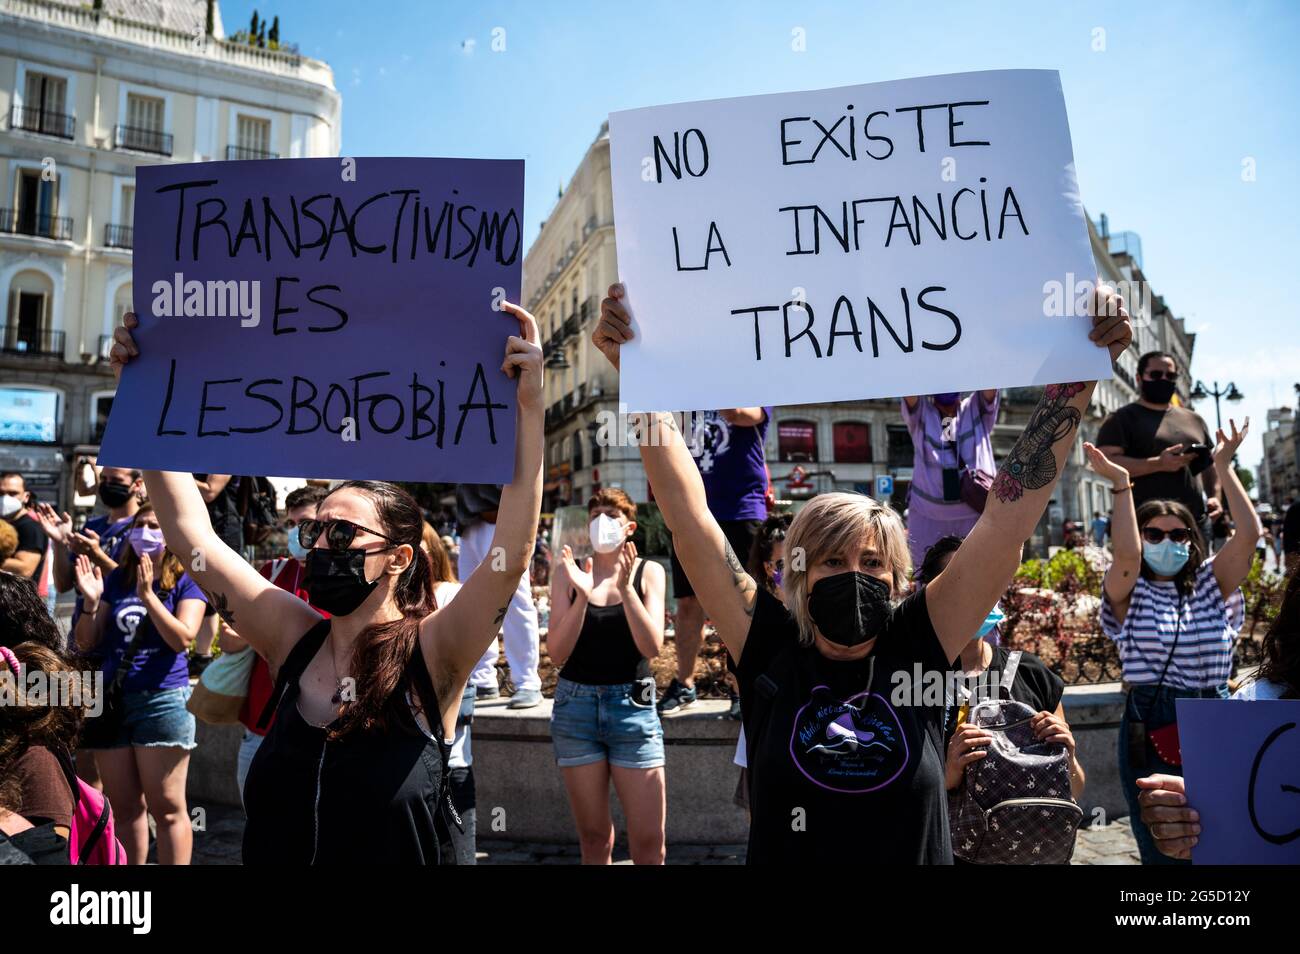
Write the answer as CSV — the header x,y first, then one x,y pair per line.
x,y
600,723
156,717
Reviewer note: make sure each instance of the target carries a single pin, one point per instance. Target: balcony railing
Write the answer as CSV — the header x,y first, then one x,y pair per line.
x,y
119,236
43,121
243,152
34,342
23,222
141,139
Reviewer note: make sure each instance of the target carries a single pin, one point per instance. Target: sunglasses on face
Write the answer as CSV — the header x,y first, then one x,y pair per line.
x,y
1160,375
1156,535
339,534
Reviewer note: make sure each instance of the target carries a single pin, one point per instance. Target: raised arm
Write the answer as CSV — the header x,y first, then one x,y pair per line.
x,y
1126,547
567,611
979,572
454,638
211,488
271,619
1232,562
721,584
645,613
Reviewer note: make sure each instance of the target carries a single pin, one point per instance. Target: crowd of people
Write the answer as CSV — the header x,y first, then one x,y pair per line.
x,y
357,654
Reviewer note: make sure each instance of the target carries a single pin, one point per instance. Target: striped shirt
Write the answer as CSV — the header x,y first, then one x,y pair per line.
x,y
1205,624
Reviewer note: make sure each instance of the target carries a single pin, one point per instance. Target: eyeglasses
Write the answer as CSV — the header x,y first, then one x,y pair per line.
x,y
339,534
1160,375
1156,535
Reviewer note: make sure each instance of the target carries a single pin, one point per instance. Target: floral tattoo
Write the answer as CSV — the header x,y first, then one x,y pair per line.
x,y
1031,465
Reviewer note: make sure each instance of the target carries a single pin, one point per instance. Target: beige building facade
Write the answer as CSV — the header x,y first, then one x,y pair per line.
x,y
87,97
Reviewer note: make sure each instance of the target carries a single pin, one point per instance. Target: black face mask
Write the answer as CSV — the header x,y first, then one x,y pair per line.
x,y
849,608
114,495
1157,392
336,581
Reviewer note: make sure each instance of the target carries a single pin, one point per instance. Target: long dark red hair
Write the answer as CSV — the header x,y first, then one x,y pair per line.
x,y
383,652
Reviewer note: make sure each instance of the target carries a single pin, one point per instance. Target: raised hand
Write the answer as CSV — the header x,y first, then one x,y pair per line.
x,y
1111,327
1225,447
626,561
87,542
144,578
615,325
124,347
1104,467
579,579
90,583
57,528
523,360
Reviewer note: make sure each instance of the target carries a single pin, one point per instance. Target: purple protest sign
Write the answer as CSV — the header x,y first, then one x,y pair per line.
x,y
1241,762
323,318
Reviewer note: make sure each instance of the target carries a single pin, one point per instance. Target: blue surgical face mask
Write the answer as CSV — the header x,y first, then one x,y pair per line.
x,y
296,549
1166,558
991,621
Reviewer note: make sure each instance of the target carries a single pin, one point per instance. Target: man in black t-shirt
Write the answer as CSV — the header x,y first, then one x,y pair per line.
x,y
29,559
221,493
1152,439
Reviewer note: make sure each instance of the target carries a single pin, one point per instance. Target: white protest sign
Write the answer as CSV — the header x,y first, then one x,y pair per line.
x,y
870,241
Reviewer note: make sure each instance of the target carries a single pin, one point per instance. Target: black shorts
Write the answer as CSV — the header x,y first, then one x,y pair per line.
x,y
739,533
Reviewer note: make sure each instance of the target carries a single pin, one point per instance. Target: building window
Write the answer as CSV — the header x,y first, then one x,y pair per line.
x,y
252,139
901,452
44,109
99,418
577,451
796,441
852,440
144,129
121,234
26,329
36,208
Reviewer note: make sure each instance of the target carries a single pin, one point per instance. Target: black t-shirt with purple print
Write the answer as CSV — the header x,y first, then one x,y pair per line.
x,y
837,771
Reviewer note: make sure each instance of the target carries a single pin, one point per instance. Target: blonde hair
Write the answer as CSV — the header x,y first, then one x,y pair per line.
x,y
831,524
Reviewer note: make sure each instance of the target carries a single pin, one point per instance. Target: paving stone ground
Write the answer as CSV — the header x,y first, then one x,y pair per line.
x,y
219,844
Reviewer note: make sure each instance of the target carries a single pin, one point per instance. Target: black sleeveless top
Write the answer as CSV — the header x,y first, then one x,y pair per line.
x,y
368,798
605,653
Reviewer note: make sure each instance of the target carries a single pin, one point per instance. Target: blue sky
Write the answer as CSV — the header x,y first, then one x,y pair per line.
x,y
1162,118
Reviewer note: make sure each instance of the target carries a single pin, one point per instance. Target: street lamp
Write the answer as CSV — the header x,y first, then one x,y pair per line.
x,y
1200,392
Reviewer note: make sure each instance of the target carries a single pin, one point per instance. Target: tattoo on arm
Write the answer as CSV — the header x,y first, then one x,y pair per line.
x,y
743,582
221,605
1031,465
501,615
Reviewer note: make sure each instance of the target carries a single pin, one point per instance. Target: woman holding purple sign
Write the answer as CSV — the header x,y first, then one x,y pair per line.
x,y
355,768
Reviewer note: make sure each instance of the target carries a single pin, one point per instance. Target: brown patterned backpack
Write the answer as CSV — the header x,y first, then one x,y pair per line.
x,y
1014,806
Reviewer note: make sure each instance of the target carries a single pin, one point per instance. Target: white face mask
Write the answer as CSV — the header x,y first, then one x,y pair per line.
x,y
607,534
9,505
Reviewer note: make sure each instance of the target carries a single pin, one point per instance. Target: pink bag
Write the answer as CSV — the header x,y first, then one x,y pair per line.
x,y
93,838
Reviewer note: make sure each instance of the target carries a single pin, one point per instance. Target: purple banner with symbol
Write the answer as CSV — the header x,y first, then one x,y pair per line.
x,y
334,318
1241,763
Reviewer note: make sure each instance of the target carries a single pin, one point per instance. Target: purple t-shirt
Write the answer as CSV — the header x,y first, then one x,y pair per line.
x,y
934,450
112,537
731,462
156,665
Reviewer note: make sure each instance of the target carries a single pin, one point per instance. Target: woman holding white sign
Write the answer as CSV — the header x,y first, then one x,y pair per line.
x,y
355,768
844,765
